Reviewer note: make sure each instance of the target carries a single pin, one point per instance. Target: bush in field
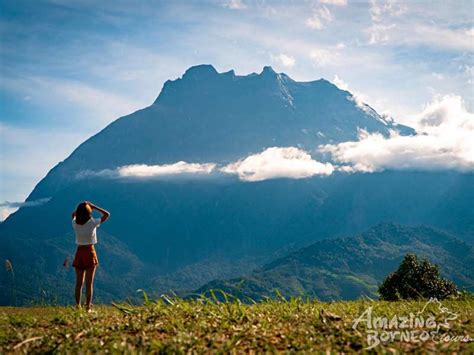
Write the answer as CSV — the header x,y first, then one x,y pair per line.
x,y
415,279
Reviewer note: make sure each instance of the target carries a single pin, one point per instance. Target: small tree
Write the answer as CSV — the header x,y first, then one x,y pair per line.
x,y
415,279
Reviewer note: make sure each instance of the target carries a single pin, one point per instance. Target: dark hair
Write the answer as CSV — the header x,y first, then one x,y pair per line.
x,y
83,213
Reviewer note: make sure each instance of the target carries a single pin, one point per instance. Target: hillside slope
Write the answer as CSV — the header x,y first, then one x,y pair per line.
x,y
348,268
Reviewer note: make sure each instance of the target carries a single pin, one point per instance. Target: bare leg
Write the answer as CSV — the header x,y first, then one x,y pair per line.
x,y
79,283
89,285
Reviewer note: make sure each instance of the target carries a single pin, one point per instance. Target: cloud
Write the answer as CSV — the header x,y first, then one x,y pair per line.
x,y
358,98
8,207
283,59
319,19
334,2
328,55
323,56
391,8
34,203
235,5
456,39
278,162
151,171
180,167
390,27
468,72
381,14
5,212
380,33
444,142
275,162
341,84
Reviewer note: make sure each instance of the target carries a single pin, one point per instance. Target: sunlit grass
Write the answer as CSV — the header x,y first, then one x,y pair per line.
x,y
173,325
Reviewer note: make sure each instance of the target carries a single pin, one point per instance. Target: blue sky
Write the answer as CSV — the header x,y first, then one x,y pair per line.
x,y
68,68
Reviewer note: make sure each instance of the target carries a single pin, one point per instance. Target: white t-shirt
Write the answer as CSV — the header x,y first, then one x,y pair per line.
x,y
86,233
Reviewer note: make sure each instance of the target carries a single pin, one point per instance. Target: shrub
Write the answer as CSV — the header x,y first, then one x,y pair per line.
x,y
416,279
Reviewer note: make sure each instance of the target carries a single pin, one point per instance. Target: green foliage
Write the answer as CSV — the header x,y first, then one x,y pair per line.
x,y
351,268
415,279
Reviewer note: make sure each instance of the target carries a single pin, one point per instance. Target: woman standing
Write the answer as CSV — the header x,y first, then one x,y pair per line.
x,y
85,260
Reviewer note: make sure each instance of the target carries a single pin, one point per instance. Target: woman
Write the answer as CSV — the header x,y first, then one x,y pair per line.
x,y
85,261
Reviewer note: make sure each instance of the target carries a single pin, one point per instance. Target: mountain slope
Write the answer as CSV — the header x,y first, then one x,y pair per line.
x,y
348,268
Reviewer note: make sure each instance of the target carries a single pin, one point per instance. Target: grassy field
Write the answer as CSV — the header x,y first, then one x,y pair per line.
x,y
173,325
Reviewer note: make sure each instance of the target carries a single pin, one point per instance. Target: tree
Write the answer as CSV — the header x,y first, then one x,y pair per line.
x,y
416,279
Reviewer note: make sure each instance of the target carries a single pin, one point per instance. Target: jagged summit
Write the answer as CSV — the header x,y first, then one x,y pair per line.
x,y
207,116
268,70
204,77
206,71
200,71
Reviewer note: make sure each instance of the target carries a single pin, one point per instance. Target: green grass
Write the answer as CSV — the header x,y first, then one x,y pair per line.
x,y
203,325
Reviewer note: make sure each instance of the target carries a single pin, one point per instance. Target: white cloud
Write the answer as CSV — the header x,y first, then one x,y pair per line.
x,y
389,27
389,8
150,171
334,2
319,19
278,162
381,14
445,113
468,72
180,167
235,5
428,35
341,84
5,212
7,207
442,37
322,56
444,143
328,55
38,202
380,33
358,98
275,162
438,76
283,59
314,22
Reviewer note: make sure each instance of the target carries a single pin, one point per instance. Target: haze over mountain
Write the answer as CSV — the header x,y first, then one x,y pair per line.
x,y
221,174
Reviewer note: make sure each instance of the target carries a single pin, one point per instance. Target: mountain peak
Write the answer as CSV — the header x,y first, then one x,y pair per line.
x,y
268,70
201,70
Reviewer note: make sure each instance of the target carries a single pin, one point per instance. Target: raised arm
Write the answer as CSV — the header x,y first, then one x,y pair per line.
x,y
105,214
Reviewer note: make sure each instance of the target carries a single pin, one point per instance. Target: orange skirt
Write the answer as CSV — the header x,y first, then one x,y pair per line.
x,y
86,257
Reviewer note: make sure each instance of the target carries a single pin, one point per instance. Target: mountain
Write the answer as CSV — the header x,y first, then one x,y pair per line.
x,y
181,232
349,268
210,117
